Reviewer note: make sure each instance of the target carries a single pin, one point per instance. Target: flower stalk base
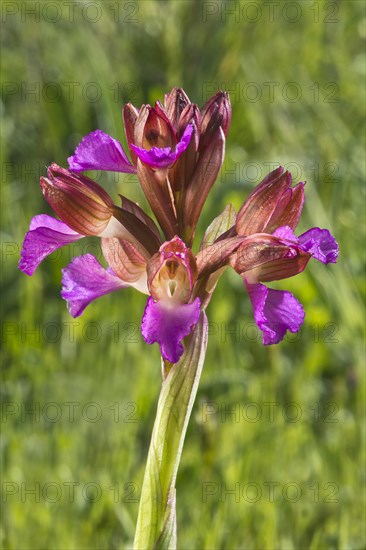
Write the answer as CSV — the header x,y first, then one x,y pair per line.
x,y
156,523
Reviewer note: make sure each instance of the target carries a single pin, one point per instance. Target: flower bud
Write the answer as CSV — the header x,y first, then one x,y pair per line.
x,y
80,202
273,203
130,114
182,171
175,103
215,113
190,115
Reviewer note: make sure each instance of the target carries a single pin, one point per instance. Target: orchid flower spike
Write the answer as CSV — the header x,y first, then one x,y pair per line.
x,y
177,151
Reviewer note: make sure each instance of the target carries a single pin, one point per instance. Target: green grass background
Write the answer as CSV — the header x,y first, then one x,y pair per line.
x,y
311,450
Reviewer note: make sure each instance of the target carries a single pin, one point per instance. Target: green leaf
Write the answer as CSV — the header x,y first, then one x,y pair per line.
x,y
156,523
222,223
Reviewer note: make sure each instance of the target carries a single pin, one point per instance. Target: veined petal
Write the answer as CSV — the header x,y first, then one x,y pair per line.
x,y
84,280
259,207
168,326
217,255
136,210
288,209
275,312
260,249
134,229
263,258
282,268
45,235
79,201
99,151
164,157
126,262
70,181
321,244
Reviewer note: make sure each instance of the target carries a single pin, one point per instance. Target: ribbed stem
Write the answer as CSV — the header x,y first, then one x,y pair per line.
x,y
156,522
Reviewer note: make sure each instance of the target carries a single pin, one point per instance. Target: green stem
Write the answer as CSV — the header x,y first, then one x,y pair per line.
x,y
156,522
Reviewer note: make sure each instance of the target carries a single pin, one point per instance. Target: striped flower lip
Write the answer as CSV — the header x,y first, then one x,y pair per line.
x,y
176,152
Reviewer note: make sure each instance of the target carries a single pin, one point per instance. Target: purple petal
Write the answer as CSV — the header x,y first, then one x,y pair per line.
x,y
45,235
163,157
321,244
99,151
168,326
285,232
84,280
275,312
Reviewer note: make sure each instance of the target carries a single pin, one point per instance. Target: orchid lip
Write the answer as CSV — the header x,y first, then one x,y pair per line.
x,y
164,157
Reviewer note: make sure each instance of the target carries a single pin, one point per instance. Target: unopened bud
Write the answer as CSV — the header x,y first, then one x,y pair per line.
x,y
190,115
273,203
130,114
175,103
215,113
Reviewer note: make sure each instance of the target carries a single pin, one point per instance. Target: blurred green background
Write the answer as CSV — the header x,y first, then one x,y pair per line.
x,y
284,469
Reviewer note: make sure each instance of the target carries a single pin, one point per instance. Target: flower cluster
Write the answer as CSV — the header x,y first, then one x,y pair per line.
x,y
176,150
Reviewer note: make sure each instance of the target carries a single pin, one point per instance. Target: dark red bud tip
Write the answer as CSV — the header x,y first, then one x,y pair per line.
x,y
190,115
215,113
175,102
225,111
